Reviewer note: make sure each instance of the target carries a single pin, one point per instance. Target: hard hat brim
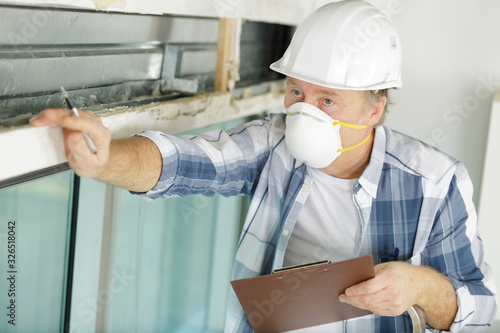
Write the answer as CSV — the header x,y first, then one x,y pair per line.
x,y
277,67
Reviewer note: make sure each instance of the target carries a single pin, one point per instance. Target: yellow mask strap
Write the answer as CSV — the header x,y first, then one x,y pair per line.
x,y
356,145
341,123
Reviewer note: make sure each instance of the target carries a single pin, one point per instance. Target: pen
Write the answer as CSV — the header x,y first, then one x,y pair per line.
x,y
75,113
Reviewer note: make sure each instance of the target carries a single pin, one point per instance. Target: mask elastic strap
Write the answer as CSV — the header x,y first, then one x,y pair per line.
x,y
336,122
356,145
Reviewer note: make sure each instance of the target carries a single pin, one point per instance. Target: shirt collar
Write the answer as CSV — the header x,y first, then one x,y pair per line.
x,y
370,178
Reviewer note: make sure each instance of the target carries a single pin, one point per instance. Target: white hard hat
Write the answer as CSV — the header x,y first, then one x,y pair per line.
x,y
345,45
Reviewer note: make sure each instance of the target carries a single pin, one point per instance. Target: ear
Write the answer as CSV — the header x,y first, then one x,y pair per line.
x,y
375,111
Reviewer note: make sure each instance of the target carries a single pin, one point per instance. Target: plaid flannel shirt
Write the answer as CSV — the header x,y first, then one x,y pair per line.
x,y
410,196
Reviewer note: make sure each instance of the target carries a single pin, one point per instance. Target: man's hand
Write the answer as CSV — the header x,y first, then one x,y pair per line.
x,y
80,158
134,163
391,292
398,285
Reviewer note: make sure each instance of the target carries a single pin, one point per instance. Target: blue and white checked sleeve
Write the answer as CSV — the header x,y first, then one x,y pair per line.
x,y
455,248
215,162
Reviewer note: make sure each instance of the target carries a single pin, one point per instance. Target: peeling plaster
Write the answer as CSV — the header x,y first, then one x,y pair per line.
x,y
189,113
28,149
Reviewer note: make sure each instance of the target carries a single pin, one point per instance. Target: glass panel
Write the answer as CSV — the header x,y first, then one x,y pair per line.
x,y
85,300
167,255
164,249
33,250
174,259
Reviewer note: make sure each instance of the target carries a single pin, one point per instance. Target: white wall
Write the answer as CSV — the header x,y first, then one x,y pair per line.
x,y
451,67
490,196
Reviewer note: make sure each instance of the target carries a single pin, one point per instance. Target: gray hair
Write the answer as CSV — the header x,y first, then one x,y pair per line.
x,y
373,96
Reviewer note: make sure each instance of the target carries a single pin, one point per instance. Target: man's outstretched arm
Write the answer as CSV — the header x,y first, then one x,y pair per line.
x,y
134,163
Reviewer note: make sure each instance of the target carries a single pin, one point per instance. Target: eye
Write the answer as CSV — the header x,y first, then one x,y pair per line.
x,y
296,93
328,102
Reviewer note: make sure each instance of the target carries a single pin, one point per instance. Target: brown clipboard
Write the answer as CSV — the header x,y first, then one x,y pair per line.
x,y
302,297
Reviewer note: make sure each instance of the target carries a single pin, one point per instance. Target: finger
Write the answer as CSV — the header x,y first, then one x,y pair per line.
x,y
92,126
63,117
367,287
65,137
80,158
380,307
50,117
373,285
371,302
377,303
78,146
87,123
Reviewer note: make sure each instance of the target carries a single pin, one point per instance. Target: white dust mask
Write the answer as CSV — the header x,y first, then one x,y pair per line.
x,y
312,137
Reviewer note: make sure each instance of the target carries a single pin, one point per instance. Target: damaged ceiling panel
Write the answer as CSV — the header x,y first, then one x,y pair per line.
x,y
107,59
134,71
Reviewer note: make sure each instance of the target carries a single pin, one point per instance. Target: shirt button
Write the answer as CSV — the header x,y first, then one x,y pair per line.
x,y
305,186
285,232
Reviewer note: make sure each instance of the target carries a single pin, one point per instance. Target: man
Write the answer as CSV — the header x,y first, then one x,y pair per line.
x,y
327,181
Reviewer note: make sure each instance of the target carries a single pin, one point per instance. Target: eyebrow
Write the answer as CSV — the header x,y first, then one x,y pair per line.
x,y
322,90
330,92
291,80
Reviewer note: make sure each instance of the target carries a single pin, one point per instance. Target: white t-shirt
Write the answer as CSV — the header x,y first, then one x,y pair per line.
x,y
326,229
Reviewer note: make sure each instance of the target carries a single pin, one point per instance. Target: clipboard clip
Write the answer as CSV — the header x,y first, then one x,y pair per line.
x,y
294,267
